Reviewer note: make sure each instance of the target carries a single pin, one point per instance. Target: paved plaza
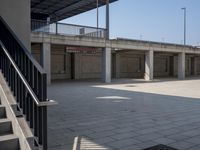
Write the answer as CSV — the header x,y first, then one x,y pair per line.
x,y
125,115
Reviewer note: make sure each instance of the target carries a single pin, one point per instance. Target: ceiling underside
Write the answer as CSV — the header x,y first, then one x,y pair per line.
x,y
61,9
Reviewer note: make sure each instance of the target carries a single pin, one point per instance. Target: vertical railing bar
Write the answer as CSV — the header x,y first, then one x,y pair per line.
x,y
34,75
40,133
35,106
44,112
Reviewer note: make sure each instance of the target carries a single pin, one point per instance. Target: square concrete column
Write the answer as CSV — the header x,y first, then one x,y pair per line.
x,y
106,65
181,65
46,60
149,65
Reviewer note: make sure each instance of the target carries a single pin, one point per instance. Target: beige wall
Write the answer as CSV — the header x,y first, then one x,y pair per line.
x,y
88,66
17,15
36,51
197,65
60,63
129,65
188,65
161,66
125,64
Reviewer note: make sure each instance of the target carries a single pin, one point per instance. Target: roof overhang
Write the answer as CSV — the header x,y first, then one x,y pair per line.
x,y
62,9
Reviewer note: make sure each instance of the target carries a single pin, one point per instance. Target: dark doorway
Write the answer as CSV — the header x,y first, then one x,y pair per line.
x,y
72,66
113,65
192,66
171,66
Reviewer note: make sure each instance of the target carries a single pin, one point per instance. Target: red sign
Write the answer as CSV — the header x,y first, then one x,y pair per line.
x,y
71,49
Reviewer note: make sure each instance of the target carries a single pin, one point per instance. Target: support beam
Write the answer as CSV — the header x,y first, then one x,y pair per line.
x,y
107,20
149,65
46,60
106,65
181,66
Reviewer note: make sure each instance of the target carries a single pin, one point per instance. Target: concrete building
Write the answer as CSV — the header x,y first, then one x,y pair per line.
x,y
79,57
65,51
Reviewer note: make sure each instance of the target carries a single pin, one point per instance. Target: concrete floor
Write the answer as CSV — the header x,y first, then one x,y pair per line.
x,y
125,115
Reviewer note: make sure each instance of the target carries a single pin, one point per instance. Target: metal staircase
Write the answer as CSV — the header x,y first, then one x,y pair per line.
x,y
27,82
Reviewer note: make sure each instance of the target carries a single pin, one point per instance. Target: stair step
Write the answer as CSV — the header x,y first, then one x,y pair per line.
x,y
5,127
2,112
9,142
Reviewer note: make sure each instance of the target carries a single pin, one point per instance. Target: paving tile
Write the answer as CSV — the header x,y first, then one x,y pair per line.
x,y
194,148
183,145
164,141
194,140
147,144
133,147
123,136
123,143
148,118
177,137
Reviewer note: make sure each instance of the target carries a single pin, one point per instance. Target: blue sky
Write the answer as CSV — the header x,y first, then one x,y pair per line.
x,y
154,20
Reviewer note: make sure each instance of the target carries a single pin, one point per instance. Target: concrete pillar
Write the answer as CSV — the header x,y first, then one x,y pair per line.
x,y
181,65
106,65
46,60
149,65
117,65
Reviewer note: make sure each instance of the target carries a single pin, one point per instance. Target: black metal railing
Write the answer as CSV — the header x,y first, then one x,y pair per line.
x,y
67,29
27,81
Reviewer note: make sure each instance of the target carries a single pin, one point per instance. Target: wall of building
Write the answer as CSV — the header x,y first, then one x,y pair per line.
x,y
83,66
88,66
60,63
163,65
188,64
192,65
36,51
197,65
125,63
128,64
17,15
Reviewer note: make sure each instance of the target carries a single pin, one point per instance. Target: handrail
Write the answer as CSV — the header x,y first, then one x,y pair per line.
x,y
66,29
36,100
27,80
75,25
27,52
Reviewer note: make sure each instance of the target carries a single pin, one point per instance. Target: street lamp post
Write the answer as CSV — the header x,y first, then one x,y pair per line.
x,y
97,15
107,20
184,9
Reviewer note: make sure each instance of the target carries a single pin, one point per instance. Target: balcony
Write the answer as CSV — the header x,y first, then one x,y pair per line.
x,y
67,29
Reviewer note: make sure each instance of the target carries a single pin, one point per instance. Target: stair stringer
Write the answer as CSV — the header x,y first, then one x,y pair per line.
x,y
8,100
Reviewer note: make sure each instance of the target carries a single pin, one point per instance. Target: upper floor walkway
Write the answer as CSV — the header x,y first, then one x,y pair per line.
x,y
74,35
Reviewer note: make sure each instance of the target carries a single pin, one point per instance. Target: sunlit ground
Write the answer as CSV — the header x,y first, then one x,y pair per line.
x,y
125,115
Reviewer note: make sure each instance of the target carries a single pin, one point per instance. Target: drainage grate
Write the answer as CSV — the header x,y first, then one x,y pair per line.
x,y
160,147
